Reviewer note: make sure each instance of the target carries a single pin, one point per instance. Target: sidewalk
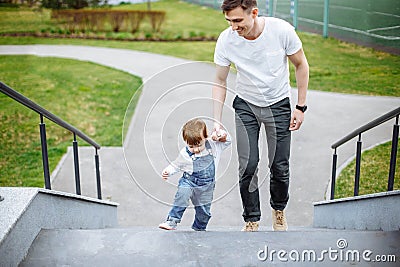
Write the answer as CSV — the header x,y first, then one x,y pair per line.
x,y
176,90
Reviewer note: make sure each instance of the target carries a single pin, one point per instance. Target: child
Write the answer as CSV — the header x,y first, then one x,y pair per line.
x,y
198,161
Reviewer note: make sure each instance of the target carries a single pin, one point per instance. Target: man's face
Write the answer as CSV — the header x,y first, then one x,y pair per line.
x,y
241,21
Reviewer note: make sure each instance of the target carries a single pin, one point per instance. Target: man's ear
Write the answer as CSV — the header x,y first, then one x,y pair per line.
x,y
254,12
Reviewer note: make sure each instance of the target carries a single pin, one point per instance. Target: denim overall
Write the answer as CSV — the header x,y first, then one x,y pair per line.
x,y
199,188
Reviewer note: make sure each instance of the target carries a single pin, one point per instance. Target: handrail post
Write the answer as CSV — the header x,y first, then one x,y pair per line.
x,y
76,165
97,162
333,181
358,166
45,156
393,154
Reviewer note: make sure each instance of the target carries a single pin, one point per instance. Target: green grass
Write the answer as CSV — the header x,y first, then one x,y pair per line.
x,y
341,67
374,173
184,19
198,51
92,98
334,66
24,19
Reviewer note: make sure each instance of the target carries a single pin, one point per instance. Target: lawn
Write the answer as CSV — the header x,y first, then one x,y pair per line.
x,y
24,19
92,98
374,173
183,20
335,66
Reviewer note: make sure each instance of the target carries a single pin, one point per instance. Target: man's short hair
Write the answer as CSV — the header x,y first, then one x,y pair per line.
x,y
229,5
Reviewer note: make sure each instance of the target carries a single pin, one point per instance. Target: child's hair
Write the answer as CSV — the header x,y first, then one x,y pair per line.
x,y
194,131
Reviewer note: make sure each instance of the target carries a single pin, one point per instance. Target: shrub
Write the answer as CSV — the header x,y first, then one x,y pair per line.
x,y
75,4
135,19
117,19
156,19
97,20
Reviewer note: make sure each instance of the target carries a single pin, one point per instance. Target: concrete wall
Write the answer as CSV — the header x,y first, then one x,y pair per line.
x,y
25,211
379,211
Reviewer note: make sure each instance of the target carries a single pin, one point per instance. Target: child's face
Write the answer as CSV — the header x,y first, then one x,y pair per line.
x,y
199,147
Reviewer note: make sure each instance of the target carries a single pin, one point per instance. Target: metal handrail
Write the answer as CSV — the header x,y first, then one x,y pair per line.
x,y
76,132
366,127
358,132
35,107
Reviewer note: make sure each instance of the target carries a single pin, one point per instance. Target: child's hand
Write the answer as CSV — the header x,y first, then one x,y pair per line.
x,y
165,174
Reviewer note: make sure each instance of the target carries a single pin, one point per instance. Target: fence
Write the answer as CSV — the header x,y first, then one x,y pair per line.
x,y
366,22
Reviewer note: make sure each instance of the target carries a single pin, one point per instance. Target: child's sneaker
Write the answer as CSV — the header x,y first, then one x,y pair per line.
x,y
250,227
279,220
168,225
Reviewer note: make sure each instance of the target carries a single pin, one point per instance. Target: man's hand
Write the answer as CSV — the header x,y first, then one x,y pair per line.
x,y
214,134
218,133
296,120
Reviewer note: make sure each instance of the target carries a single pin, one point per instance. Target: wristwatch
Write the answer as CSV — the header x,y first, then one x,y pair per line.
x,y
301,108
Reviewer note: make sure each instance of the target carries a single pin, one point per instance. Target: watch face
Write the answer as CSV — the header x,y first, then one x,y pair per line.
x,y
302,108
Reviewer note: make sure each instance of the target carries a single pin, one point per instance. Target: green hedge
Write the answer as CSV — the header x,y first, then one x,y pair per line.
x,y
105,20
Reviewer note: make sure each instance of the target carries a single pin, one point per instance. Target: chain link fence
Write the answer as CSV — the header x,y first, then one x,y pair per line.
x,y
370,23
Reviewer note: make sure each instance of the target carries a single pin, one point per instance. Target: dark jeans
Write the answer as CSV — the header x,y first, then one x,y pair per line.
x,y
276,120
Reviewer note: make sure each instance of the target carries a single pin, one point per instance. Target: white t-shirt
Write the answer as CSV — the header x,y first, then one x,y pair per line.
x,y
262,64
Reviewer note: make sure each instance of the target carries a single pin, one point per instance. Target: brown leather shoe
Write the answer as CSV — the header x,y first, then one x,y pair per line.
x,y
279,220
250,227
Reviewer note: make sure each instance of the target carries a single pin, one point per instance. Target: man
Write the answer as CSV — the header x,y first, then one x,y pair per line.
x,y
260,47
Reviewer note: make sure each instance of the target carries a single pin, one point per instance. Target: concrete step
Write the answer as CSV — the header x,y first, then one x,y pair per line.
x,y
25,211
380,211
222,246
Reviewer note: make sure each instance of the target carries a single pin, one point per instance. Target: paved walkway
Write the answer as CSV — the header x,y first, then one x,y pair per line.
x,y
176,90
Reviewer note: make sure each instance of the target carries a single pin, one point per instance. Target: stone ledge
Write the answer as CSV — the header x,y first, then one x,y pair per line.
x,y
375,195
379,211
25,211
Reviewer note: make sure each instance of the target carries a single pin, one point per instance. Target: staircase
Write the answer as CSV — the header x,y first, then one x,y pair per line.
x,y
41,227
50,228
25,212
217,247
